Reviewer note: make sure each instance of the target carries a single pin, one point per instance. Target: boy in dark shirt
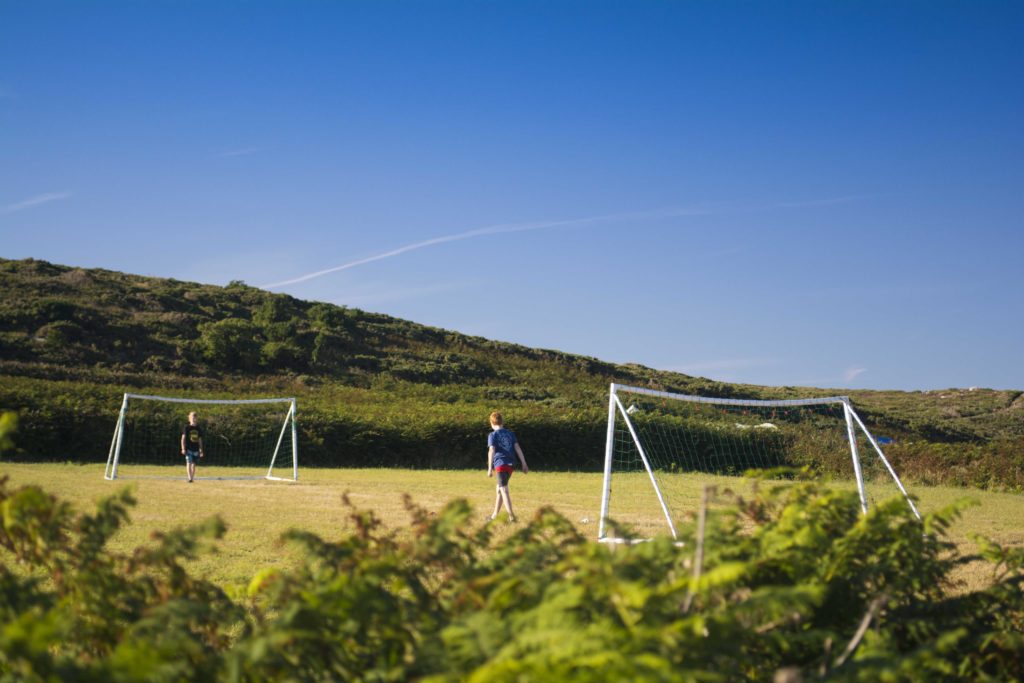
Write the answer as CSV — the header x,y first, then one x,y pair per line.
x,y
191,445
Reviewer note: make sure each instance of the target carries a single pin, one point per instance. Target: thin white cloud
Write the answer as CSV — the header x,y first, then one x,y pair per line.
x,y
34,201
852,373
493,230
700,210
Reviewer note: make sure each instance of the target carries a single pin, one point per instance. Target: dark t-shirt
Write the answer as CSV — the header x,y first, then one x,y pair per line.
x,y
504,443
193,437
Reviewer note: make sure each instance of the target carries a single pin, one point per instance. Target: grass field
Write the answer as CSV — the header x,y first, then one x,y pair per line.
x,y
258,511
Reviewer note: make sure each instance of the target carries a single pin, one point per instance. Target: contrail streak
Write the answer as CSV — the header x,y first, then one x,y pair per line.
x,y
492,230
544,225
36,200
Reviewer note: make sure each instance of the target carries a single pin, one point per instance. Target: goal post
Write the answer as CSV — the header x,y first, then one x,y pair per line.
x,y
243,438
656,438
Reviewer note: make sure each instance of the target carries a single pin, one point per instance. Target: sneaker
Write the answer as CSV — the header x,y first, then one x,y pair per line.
x,y
511,519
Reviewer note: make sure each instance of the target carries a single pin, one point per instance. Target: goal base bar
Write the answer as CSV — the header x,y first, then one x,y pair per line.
x,y
171,477
613,541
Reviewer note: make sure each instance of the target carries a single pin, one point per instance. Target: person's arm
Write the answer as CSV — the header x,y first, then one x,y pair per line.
x,y
522,459
490,461
200,444
183,442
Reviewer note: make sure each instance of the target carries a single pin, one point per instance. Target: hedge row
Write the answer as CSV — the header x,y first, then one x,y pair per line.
x,y
82,433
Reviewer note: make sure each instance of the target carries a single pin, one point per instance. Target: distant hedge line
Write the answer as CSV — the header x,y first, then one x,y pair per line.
x,y
76,433
418,426
80,430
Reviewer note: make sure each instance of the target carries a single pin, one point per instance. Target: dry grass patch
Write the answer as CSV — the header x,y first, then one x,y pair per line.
x,y
257,512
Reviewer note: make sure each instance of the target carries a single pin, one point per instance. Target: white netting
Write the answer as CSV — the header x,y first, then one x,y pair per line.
x,y
240,438
680,435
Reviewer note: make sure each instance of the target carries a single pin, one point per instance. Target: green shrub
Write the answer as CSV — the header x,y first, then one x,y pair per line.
x,y
282,355
57,335
231,343
329,349
8,425
792,581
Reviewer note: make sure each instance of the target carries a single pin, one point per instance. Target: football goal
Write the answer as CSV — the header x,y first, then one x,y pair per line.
x,y
242,439
656,438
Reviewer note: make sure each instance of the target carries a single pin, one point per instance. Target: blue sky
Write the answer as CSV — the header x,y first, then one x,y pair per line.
x,y
783,193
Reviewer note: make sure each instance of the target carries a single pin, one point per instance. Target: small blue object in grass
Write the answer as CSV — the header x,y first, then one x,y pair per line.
x,y
882,440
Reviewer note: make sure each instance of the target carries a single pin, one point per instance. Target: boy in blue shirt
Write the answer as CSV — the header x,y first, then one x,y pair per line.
x,y
502,450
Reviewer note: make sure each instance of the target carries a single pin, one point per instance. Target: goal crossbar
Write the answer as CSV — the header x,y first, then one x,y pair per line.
x,y
208,401
730,401
616,409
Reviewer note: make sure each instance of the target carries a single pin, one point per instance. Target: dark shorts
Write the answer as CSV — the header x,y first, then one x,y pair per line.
x,y
504,474
191,457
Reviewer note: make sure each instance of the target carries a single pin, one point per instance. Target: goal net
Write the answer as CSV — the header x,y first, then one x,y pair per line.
x,y
242,439
656,439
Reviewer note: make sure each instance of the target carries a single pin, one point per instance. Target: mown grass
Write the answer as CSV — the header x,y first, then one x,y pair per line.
x,y
257,512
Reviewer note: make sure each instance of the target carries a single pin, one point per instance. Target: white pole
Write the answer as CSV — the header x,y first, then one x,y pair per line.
x,y
647,466
280,438
113,442
885,461
609,447
295,446
856,458
115,454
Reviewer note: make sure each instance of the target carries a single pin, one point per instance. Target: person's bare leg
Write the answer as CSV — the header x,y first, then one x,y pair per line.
x,y
497,503
508,503
191,471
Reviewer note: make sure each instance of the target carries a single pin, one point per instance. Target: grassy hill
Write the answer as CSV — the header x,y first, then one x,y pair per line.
x,y
377,390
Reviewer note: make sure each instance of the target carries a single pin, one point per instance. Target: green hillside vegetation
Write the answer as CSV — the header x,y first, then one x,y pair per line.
x,y
376,390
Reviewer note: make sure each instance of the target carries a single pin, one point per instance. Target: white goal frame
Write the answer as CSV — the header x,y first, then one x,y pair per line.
x,y
616,408
113,458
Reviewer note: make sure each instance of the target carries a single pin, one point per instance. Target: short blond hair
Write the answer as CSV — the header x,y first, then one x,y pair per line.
x,y
496,418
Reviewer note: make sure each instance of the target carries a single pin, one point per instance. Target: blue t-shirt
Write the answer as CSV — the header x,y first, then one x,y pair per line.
x,y
504,443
